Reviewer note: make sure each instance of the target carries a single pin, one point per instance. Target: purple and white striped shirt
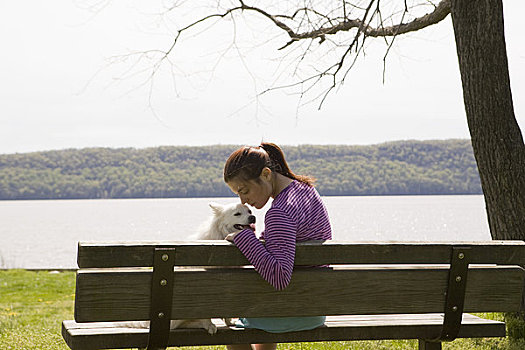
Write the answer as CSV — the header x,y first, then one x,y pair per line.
x,y
297,214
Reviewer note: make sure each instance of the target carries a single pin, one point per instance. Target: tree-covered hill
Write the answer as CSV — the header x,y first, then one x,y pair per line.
x,y
394,168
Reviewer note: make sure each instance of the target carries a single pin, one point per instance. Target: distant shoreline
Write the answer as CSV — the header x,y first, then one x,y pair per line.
x,y
394,168
233,197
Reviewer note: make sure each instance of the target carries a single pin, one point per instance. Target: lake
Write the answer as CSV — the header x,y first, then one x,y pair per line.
x,y
44,234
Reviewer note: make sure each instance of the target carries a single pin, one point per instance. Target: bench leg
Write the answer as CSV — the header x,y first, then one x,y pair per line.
x,y
426,345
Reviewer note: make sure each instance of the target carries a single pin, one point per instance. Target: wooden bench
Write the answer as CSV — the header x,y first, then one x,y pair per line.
x,y
371,291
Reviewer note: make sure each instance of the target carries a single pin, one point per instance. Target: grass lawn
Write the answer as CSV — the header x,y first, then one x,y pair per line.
x,y
34,303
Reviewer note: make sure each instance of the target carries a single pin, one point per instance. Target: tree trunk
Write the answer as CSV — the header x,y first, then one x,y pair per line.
x,y
496,137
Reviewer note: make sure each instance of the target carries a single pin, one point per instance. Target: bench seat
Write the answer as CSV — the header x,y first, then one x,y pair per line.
x,y
105,335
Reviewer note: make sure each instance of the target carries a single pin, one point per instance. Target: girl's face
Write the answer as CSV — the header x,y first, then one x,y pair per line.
x,y
253,192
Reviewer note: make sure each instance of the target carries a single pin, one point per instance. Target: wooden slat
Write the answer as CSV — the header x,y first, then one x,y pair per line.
x,y
218,253
83,336
124,295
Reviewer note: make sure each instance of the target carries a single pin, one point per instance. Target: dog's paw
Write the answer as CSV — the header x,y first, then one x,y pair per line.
x,y
229,321
211,328
231,236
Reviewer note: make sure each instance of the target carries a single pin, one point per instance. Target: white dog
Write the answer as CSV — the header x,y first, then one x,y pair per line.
x,y
226,219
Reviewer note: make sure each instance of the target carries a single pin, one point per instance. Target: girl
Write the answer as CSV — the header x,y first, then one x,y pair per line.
x,y
297,214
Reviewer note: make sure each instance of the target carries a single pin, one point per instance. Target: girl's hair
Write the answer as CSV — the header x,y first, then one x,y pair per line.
x,y
247,163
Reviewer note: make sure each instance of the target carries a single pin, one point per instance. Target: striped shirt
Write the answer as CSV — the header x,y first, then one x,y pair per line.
x,y
297,214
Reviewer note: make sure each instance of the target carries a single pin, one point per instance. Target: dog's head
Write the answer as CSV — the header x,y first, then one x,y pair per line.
x,y
232,217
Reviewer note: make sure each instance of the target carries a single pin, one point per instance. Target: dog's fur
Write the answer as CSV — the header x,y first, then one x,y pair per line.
x,y
226,219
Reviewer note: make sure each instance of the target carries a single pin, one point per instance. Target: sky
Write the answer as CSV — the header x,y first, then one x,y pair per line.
x,y
65,82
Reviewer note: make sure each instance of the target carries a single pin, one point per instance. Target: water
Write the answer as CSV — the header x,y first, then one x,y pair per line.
x,y
44,234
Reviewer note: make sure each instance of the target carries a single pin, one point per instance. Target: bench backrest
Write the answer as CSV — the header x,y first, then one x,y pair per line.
x,y
114,282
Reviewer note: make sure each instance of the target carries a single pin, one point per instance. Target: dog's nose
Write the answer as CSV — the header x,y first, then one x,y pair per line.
x,y
251,219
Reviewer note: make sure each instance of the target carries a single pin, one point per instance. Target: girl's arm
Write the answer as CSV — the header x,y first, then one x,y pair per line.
x,y
273,260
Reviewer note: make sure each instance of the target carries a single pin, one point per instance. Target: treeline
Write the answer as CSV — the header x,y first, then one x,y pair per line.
x,y
394,168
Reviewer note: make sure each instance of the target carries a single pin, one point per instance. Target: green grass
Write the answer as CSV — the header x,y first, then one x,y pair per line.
x,y
33,305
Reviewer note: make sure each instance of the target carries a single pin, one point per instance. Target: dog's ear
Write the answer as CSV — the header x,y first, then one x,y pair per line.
x,y
216,207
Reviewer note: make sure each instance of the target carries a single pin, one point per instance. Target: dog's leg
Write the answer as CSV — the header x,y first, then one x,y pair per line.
x,y
207,324
199,323
176,323
132,324
229,321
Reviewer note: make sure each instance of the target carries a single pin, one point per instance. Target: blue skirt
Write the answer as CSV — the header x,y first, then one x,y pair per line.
x,y
281,324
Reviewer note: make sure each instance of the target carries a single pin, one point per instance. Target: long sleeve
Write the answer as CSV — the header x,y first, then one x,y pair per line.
x,y
273,260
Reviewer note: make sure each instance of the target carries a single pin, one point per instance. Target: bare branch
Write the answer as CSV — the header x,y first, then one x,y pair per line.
x,y
439,13
323,25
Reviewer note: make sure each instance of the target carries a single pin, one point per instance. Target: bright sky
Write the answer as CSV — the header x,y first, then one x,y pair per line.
x,y
58,91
